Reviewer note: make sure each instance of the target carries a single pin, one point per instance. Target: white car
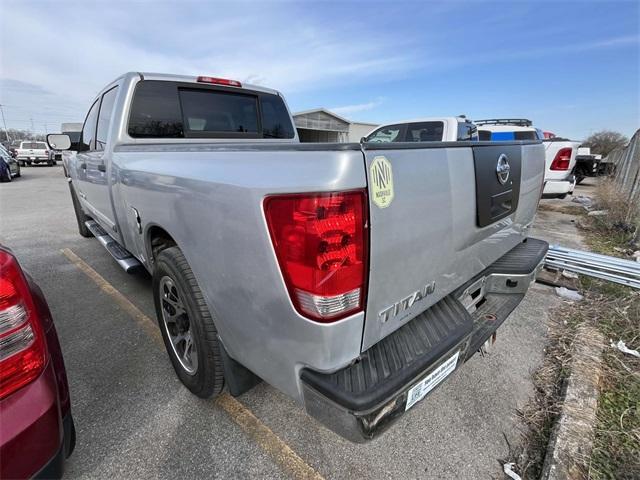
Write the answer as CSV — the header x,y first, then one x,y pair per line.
x,y
435,129
32,152
560,153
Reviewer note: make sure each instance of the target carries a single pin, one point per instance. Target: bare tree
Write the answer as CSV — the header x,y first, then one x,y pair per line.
x,y
15,134
605,141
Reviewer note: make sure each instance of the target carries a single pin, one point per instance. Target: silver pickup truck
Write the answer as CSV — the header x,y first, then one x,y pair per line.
x,y
353,277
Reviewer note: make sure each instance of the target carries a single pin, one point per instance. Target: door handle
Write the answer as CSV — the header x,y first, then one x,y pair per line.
x,y
83,166
102,167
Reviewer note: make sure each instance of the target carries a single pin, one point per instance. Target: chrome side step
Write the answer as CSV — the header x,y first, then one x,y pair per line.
x,y
121,255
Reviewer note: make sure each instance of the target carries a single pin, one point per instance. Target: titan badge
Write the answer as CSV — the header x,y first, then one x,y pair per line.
x,y
399,307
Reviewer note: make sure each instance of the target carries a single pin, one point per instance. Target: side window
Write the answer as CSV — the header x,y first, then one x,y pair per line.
x,y
392,133
484,135
467,132
276,122
155,111
104,118
89,127
425,132
526,135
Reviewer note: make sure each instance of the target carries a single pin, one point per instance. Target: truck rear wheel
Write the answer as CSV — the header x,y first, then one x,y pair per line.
x,y
188,330
81,217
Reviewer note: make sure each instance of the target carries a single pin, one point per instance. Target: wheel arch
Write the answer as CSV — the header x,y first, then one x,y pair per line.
x,y
156,239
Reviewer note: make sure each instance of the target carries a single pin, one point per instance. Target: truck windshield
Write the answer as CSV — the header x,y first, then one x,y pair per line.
x,y
162,109
390,133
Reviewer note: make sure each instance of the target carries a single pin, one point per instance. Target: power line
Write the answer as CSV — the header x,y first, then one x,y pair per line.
x,y
5,124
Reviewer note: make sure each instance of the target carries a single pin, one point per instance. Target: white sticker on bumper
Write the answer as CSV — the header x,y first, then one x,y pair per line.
x,y
427,384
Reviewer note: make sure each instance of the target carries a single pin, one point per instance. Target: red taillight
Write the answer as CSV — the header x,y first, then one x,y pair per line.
x,y
321,242
219,81
562,159
22,343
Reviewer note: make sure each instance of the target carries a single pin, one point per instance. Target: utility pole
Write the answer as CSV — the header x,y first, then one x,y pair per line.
x,y
6,132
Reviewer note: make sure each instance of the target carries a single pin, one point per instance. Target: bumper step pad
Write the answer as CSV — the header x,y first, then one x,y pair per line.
x,y
360,400
396,360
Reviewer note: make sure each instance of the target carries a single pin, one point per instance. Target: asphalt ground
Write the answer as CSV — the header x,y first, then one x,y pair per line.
x,y
135,420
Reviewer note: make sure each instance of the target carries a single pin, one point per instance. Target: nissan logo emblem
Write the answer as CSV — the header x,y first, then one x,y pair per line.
x,y
503,169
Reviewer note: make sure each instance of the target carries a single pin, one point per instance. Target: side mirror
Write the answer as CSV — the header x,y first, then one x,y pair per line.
x,y
58,141
363,140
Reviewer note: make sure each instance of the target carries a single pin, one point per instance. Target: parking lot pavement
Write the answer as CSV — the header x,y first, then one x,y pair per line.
x,y
134,418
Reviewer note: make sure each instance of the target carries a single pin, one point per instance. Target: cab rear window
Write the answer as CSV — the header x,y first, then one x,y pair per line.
x,y
34,145
162,109
507,136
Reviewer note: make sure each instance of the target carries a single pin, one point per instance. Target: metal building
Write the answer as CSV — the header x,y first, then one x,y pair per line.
x,y
322,125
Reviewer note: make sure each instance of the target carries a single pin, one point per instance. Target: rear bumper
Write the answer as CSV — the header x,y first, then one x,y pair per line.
x,y
32,432
362,400
557,188
54,468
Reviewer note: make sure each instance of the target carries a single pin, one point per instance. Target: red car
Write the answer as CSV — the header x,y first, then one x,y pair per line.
x,y
37,432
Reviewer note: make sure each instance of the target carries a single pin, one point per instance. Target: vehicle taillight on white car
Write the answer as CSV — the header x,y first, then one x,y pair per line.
x,y
321,242
23,350
562,160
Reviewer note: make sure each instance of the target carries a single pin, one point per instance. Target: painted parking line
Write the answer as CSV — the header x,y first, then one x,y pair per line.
x,y
278,450
149,326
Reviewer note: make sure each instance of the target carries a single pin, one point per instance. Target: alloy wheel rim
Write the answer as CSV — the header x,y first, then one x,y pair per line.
x,y
177,325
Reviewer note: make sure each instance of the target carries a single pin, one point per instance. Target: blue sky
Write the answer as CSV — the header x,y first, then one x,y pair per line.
x,y
572,67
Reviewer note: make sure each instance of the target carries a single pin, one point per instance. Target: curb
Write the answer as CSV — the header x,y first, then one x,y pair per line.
x,y
572,435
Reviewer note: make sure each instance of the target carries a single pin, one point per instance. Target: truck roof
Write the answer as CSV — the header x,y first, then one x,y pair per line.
x,y
505,128
429,119
186,79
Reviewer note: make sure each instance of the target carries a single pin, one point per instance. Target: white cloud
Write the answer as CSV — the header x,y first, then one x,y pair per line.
x,y
74,49
347,110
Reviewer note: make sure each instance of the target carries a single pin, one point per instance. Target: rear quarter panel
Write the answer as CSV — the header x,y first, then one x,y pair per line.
x,y
210,200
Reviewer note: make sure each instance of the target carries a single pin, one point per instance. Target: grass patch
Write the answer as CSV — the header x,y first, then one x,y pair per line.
x,y
617,232
615,311
540,414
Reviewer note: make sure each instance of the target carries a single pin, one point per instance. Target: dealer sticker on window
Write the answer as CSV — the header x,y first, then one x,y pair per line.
x,y
427,384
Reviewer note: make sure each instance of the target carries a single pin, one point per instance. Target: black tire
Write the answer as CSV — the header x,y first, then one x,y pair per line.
x,y
81,217
18,173
51,163
563,196
22,163
208,378
29,163
579,179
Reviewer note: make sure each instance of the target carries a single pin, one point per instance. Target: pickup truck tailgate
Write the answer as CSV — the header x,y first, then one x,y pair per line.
x,y
439,216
